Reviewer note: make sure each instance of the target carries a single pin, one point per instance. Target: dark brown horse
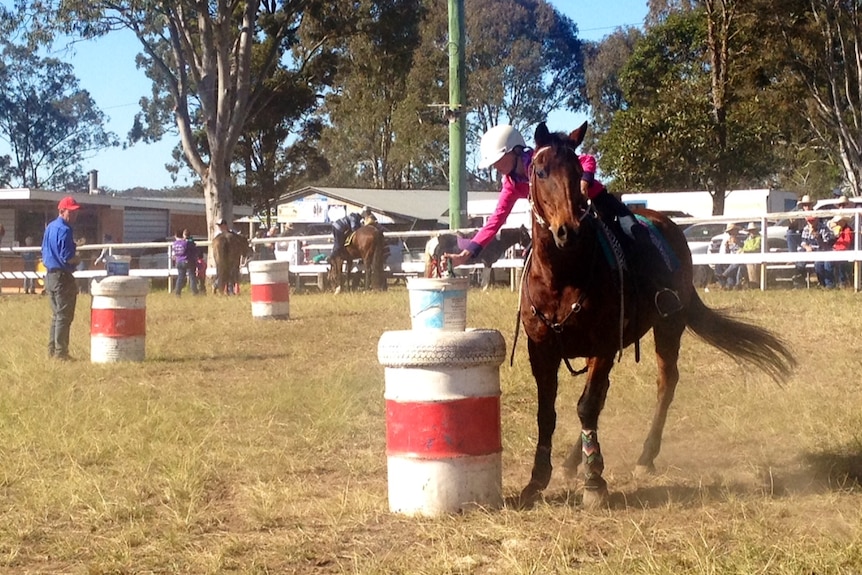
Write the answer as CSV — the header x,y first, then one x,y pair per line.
x,y
366,244
229,251
576,303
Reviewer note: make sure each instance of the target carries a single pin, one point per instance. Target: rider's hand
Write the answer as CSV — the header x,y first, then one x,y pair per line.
x,y
456,259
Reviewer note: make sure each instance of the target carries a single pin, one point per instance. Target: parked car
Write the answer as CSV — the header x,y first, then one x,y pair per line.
x,y
776,237
832,203
701,236
706,238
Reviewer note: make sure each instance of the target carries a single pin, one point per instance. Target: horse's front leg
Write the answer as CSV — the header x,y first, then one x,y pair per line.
x,y
590,406
544,362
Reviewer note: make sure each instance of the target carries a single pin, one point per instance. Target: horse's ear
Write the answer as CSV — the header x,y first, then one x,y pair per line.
x,y
577,136
542,136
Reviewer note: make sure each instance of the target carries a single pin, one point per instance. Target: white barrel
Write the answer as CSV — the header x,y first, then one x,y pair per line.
x,y
270,289
443,431
118,319
438,303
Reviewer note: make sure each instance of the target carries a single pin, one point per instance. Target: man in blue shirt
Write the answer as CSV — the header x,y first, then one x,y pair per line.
x,y
60,258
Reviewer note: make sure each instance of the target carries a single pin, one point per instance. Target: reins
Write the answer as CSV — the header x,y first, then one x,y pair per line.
x,y
556,327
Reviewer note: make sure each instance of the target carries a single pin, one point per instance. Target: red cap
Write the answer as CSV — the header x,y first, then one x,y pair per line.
x,y
68,203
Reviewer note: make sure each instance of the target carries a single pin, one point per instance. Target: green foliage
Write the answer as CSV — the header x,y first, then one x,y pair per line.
x,y
387,128
603,63
688,121
658,141
522,65
48,122
367,111
816,50
277,150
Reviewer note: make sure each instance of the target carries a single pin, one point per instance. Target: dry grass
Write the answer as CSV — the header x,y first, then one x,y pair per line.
x,y
245,446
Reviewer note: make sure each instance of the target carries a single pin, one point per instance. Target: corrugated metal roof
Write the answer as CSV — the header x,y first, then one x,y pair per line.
x,y
180,205
410,204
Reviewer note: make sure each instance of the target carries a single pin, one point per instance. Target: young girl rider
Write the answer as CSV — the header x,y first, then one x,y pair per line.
x,y
504,149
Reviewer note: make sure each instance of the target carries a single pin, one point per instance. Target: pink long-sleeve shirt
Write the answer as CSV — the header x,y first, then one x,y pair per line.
x,y
515,188
588,164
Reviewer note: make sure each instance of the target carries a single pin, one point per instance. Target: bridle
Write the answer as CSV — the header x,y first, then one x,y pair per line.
x,y
538,174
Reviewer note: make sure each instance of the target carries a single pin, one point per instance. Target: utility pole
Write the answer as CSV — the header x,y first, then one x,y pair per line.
x,y
457,117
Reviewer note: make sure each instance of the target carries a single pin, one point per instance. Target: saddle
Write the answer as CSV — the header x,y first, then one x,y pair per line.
x,y
619,249
648,256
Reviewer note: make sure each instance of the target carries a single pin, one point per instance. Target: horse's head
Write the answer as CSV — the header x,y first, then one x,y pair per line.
x,y
555,184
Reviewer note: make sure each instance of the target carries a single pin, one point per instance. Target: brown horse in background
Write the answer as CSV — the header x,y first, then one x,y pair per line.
x,y
366,244
230,249
575,302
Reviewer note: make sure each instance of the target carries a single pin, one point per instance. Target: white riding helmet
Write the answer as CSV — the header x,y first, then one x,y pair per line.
x,y
497,142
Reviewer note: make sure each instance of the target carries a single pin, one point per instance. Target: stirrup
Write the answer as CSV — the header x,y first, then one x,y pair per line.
x,y
672,306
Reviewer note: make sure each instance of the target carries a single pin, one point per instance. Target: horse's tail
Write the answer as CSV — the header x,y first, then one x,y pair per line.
x,y
430,257
379,263
744,342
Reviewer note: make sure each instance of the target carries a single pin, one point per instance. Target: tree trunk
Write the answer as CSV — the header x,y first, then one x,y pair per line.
x,y
218,197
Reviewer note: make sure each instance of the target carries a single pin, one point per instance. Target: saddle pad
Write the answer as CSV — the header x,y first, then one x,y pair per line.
x,y
661,244
610,244
349,239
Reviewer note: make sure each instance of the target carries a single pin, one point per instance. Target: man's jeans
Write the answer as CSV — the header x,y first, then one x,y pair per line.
x,y
63,294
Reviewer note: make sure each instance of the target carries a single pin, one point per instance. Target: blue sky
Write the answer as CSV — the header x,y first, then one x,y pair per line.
x,y
107,69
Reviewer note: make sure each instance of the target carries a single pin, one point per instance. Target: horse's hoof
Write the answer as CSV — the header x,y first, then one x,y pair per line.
x,y
596,497
644,470
529,495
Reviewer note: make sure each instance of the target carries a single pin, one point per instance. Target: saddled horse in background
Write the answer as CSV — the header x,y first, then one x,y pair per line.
x,y
230,250
366,244
454,243
577,300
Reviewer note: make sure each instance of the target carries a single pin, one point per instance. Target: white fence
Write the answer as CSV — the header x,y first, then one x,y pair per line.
x,y
766,259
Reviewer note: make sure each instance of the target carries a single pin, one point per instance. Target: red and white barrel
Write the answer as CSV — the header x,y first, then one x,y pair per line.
x,y
443,439
118,319
270,289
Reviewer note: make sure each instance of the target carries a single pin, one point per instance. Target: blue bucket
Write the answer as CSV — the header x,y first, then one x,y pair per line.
x,y
438,303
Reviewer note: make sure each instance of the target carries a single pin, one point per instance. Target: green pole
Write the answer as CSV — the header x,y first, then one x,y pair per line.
x,y
457,119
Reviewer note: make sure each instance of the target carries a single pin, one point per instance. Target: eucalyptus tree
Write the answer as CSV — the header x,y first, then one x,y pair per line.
x,y
278,148
603,62
199,56
368,141
523,65
389,113
820,46
687,124
48,123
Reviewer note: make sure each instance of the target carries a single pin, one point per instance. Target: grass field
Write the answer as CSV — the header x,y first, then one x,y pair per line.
x,y
243,446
